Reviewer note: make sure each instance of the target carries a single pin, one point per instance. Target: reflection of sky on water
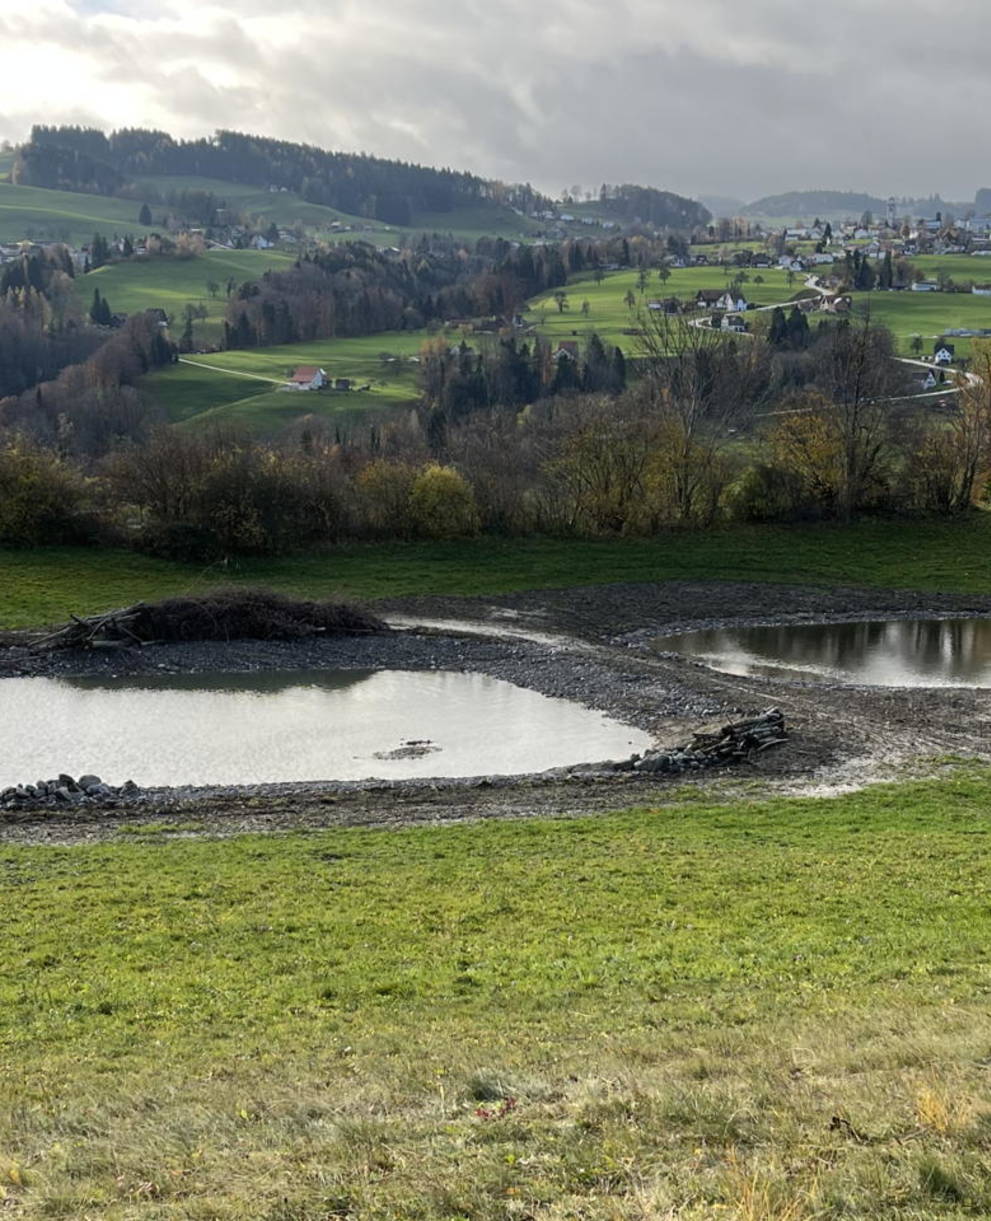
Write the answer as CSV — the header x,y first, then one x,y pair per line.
x,y
902,653
307,725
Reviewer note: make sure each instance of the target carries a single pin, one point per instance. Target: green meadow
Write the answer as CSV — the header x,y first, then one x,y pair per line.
x,y
774,1010
171,284
239,386
284,208
908,314
288,211
962,268
64,216
943,555
610,316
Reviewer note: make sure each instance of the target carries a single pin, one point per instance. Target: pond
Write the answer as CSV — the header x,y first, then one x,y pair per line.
x,y
256,728
889,653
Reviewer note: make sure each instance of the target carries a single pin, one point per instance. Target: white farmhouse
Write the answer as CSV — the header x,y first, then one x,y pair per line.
x,y
308,377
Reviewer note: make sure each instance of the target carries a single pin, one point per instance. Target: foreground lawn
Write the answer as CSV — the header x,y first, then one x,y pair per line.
x,y
764,1011
43,586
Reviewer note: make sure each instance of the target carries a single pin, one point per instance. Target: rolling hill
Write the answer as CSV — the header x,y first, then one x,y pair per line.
x,y
171,284
41,214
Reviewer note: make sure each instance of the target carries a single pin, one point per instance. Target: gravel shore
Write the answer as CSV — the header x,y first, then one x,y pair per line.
x,y
591,645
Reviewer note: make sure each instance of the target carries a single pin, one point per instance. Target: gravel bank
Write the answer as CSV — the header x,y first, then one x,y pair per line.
x,y
842,736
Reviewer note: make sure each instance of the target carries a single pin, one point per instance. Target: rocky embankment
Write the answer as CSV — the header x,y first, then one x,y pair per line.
x,y
63,790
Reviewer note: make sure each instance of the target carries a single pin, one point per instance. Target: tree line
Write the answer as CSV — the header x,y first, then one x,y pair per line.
x,y
86,159
705,430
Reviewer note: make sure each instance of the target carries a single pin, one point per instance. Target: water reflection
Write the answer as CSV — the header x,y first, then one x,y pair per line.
x,y
259,683
303,725
902,653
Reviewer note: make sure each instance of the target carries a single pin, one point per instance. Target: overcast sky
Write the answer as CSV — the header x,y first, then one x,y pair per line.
x,y
697,96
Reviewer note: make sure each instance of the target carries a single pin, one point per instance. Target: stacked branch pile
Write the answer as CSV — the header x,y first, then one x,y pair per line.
x,y
741,741
235,614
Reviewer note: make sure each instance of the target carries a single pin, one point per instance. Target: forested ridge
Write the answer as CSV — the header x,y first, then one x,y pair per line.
x,y
89,160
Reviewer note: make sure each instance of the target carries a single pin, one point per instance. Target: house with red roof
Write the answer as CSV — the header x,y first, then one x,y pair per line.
x,y
308,377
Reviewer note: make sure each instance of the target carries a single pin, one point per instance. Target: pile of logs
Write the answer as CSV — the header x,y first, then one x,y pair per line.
x,y
739,742
743,739
111,630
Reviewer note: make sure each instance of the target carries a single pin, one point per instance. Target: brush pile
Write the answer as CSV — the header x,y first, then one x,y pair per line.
x,y
740,742
224,614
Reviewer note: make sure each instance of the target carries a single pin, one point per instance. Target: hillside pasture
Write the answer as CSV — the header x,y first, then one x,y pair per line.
x,y
908,314
171,284
471,223
257,204
64,216
609,316
961,268
225,392
288,210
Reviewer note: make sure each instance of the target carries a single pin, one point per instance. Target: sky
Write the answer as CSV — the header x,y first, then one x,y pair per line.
x,y
695,96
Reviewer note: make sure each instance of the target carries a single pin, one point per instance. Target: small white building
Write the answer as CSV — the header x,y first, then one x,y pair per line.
x,y
308,377
925,286
943,354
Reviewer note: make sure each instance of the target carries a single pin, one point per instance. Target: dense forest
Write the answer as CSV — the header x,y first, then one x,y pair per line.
x,y
85,159
649,206
354,289
41,331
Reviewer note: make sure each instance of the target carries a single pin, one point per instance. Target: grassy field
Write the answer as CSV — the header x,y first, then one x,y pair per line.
x,y
191,392
927,314
171,284
963,268
609,314
65,216
283,207
43,586
769,1011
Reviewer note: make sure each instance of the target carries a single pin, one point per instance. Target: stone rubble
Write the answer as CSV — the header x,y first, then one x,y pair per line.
x,y
64,790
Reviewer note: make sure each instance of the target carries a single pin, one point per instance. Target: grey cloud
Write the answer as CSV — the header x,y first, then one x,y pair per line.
x,y
714,96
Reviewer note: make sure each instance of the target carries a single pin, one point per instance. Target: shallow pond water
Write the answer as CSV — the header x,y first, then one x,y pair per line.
x,y
179,729
889,653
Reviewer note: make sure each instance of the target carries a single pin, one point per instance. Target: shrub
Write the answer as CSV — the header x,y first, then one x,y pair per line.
x,y
384,490
41,499
442,504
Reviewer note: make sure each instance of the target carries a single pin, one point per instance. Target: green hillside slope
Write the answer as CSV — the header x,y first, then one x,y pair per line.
x,y
64,216
171,284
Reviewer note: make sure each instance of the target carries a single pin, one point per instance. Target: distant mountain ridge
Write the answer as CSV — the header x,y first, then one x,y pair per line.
x,y
848,204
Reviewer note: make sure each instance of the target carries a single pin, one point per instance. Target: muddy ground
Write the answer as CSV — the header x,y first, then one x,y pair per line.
x,y
591,644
